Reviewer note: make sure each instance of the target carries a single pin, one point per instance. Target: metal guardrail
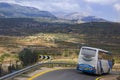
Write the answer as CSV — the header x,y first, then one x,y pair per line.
x,y
19,72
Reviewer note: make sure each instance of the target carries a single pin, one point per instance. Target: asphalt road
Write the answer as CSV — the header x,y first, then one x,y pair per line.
x,y
66,74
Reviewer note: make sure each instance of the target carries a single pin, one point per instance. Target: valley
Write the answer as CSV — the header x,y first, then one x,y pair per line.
x,y
28,32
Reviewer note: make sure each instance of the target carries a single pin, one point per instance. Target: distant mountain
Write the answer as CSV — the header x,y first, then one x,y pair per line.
x,y
9,10
78,17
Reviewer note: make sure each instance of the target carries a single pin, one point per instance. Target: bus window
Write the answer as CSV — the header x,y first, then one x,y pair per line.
x,y
105,56
88,52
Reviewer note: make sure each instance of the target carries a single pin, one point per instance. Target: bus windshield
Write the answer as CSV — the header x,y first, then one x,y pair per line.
x,y
88,52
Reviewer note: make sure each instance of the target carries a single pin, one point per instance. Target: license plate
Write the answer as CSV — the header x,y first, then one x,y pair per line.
x,y
86,68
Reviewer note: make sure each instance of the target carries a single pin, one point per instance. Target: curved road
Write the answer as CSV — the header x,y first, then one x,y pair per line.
x,y
66,74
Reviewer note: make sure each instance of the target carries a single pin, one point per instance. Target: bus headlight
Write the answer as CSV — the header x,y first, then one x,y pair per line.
x,y
91,68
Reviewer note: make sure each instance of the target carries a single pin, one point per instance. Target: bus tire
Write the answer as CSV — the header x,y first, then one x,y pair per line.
x,y
100,72
109,70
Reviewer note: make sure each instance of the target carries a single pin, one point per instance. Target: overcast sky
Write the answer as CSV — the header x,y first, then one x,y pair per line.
x,y
107,9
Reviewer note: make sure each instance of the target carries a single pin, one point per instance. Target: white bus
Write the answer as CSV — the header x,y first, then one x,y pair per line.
x,y
95,61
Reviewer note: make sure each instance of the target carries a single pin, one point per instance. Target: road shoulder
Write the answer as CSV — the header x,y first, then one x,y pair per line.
x,y
109,77
41,73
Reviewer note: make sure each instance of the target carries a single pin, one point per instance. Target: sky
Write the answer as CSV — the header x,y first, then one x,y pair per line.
x,y
107,9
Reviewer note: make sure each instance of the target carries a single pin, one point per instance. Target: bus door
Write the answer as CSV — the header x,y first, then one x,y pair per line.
x,y
104,66
103,62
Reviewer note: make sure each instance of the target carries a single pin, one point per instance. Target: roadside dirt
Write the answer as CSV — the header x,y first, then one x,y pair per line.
x,y
110,77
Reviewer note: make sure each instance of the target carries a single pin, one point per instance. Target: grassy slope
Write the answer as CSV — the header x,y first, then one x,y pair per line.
x,y
18,33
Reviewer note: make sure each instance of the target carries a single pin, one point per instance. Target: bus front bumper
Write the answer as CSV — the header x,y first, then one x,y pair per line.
x,y
86,68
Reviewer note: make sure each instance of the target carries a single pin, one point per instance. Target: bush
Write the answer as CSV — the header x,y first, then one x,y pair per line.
x,y
27,56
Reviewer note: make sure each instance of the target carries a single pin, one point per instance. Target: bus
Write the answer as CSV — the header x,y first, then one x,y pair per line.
x,y
95,60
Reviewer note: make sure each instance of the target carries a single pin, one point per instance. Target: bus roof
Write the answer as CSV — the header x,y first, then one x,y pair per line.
x,y
97,49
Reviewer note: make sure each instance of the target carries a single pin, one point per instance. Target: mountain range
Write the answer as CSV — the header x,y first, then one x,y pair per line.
x,y
83,18
8,10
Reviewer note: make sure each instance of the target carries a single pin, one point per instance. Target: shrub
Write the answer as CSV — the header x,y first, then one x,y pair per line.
x,y
27,56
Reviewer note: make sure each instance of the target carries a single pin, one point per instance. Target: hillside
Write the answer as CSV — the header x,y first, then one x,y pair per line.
x,y
18,32
27,26
8,10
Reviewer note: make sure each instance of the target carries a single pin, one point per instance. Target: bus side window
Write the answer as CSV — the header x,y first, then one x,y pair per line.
x,y
105,56
100,55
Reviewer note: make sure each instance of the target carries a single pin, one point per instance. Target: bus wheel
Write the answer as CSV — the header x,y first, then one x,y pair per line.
x,y
109,70
99,74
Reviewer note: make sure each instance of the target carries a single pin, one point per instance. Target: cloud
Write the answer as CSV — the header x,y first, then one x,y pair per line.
x,y
117,7
8,1
103,2
5,0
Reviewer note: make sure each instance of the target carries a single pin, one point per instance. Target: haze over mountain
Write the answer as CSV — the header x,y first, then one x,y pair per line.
x,y
83,18
9,10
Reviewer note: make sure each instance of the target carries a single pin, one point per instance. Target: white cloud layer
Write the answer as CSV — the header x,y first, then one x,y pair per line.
x,y
10,1
104,2
117,7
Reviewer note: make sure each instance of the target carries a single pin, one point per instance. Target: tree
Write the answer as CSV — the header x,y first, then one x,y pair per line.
x,y
27,56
